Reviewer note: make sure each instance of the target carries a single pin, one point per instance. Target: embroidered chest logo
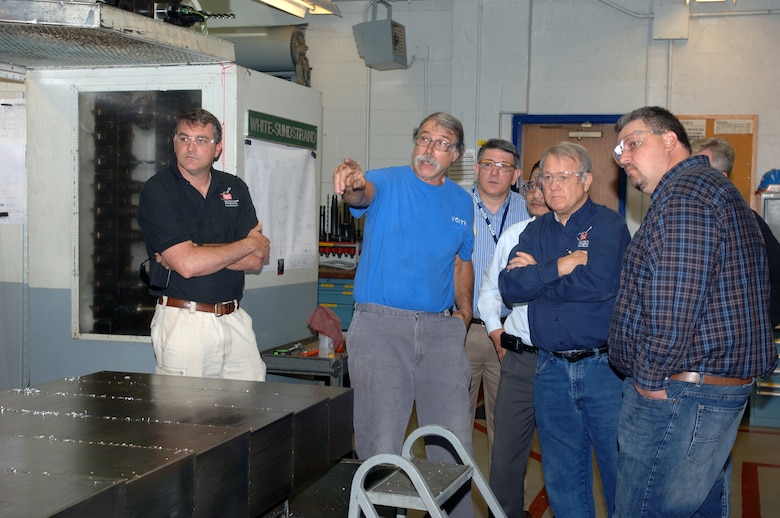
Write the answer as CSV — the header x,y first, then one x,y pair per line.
x,y
458,221
227,198
582,238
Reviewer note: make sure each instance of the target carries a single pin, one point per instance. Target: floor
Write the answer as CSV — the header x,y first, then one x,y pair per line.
x,y
754,494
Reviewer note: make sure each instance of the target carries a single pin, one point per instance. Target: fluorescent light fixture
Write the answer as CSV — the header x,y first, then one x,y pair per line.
x,y
12,72
299,8
328,7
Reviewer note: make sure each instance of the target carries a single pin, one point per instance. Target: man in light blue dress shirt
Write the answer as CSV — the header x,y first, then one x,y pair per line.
x,y
496,208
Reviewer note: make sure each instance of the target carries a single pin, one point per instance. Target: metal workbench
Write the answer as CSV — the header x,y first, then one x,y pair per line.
x,y
128,444
330,369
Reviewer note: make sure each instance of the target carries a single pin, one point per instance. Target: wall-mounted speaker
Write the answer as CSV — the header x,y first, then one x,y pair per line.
x,y
381,43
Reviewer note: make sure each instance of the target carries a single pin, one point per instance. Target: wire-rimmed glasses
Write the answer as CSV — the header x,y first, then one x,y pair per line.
x,y
562,178
488,165
438,145
631,143
186,140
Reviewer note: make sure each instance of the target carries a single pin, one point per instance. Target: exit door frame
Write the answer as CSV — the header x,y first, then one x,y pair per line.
x,y
518,120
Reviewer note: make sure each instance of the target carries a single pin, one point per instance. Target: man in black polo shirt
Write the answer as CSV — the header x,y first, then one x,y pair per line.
x,y
201,229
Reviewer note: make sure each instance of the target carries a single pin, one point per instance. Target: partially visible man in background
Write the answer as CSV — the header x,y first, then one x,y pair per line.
x,y
719,152
511,338
496,207
690,329
722,156
201,234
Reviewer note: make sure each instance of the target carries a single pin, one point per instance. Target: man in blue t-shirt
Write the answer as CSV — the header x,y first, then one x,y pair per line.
x,y
405,345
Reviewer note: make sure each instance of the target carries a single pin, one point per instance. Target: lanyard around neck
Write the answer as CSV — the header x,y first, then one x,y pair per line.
x,y
487,218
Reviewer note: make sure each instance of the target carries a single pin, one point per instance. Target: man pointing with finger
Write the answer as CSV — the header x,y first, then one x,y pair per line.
x,y
406,343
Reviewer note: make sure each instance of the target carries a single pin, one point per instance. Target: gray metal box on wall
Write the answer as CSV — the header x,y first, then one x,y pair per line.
x,y
381,43
770,211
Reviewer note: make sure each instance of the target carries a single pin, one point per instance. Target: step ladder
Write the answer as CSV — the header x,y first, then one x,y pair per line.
x,y
414,483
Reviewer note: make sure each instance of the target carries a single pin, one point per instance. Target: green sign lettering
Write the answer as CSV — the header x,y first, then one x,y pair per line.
x,y
277,129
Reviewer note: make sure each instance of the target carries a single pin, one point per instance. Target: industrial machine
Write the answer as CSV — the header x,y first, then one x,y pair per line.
x,y
102,87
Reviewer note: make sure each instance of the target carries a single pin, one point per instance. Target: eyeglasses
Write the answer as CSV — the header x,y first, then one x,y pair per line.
x,y
438,145
564,178
185,140
631,143
528,187
489,165
147,280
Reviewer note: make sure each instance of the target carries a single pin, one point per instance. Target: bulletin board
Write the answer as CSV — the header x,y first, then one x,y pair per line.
x,y
741,132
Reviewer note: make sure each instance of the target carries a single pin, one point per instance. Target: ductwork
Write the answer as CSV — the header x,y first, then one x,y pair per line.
x,y
59,34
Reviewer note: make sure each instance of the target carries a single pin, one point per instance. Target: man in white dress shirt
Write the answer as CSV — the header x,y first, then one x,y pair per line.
x,y
514,410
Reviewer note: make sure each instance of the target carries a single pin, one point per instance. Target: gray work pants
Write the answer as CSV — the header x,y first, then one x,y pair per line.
x,y
398,358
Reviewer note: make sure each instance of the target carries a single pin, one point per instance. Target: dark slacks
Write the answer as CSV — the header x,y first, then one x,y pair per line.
x,y
514,430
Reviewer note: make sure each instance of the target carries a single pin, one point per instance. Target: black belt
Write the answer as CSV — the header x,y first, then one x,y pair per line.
x,y
514,344
575,356
480,322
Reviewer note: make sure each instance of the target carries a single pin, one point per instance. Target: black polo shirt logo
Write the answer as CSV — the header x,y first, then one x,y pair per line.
x,y
227,198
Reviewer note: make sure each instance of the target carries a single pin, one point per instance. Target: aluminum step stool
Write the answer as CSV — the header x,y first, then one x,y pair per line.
x,y
415,483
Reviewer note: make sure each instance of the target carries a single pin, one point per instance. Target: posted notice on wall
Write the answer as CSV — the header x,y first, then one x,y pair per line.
x,y
734,126
13,175
282,183
695,128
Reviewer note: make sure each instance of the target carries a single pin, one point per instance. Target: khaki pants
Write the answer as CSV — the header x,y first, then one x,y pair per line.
x,y
485,370
196,343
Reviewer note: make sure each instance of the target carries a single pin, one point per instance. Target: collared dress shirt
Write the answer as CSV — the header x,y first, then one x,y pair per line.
x,y
491,305
573,311
512,211
694,291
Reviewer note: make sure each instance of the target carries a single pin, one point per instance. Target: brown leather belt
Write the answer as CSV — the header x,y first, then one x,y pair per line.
x,y
706,379
219,309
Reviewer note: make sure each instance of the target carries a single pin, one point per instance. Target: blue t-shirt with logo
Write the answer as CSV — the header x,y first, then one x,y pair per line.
x,y
413,230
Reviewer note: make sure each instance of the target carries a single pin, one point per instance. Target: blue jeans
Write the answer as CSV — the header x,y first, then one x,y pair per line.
x,y
675,454
577,407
